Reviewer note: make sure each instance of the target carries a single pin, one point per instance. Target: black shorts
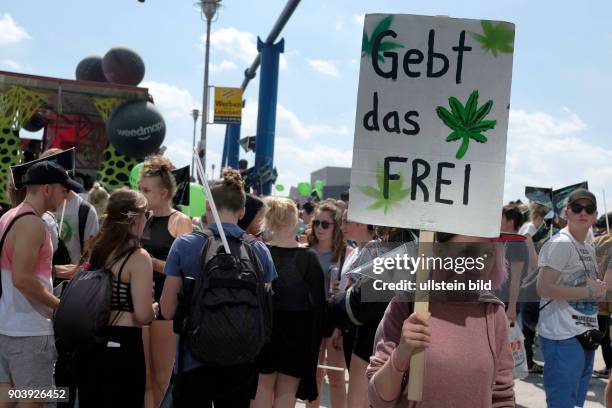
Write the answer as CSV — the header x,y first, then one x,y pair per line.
x,y
364,341
225,387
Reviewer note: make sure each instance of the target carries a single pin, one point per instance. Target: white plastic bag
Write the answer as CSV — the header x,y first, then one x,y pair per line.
x,y
517,344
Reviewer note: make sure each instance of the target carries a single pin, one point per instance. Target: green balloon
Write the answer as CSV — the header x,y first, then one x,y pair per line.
x,y
319,188
279,187
135,175
304,188
197,201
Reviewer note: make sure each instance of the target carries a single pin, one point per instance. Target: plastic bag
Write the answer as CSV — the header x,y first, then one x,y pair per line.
x,y
517,344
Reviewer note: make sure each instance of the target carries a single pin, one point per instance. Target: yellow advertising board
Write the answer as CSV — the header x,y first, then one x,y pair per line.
x,y
228,105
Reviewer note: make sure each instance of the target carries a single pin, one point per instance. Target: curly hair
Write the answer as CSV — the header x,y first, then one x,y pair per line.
x,y
338,243
161,168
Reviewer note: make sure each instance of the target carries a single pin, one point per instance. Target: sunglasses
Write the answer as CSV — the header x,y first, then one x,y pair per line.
x,y
577,208
324,224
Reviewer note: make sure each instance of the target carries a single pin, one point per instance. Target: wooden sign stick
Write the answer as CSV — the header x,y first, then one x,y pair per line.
x,y
421,306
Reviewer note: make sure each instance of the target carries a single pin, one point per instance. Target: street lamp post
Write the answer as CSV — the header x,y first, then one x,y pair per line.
x,y
194,113
209,8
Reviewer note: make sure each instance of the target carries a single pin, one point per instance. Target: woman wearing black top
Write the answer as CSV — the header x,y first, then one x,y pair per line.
x,y
113,374
165,224
288,363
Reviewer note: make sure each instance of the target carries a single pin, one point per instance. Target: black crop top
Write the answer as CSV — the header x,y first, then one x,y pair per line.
x,y
121,297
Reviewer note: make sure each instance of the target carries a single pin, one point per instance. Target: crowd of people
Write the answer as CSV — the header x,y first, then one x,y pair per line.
x,y
181,325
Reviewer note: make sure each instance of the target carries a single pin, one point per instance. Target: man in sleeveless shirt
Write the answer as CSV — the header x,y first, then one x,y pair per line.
x,y
27,350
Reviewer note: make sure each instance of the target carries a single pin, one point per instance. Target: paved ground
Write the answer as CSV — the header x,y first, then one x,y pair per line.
x,y
530,391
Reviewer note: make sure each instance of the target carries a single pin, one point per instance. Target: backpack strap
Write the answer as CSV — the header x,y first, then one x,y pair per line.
x,y
83,214
5,233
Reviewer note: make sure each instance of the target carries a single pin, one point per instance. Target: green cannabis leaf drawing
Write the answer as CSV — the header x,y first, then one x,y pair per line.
x,y
495,37
368,43
467,122
396,194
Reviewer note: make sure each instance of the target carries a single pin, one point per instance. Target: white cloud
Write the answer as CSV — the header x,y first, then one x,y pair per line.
x,y
10,32
225,65
239,45
359,19
548,151
324,67
10,64
174,103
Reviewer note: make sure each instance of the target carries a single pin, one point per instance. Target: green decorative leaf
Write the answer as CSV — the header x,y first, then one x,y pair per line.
x,y
370,191
389,45
457,109
377,205
482,112
380,177
448,119
402,194
484,125
496,38
478,137
365,43
470,107
383,25
466,122
456,135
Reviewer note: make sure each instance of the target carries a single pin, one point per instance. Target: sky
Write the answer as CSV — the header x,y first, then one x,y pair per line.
x,y
561,85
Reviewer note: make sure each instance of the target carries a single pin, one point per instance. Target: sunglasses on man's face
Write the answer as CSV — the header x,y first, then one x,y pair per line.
x,y
577,208
324,224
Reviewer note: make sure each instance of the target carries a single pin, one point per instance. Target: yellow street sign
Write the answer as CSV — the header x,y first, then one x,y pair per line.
x,y
228,105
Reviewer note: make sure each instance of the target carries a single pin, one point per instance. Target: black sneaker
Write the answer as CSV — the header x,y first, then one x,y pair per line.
x,y
603,373
535,368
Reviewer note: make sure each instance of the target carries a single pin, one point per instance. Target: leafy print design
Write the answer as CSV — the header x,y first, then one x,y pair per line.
x,y
496,38
396,192
367,43
466,122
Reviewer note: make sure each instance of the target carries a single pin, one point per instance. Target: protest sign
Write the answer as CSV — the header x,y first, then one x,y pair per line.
x,y
560,196
66,159
182,179
432,117
540,195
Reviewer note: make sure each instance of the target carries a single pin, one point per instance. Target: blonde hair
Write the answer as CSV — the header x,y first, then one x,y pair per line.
x,y
98,197
281,213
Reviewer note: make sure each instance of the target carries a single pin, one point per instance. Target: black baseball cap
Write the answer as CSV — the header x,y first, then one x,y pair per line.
x,y
580,194
46,172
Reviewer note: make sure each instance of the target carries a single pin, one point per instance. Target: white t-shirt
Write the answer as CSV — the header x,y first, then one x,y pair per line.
x,y
528,228
52,227
560,319
70,228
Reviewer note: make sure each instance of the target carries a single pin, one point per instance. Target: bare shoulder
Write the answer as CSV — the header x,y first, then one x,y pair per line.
x,y
28,226
140,257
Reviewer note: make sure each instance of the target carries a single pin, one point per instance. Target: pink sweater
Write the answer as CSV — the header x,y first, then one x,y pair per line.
x,y
468,363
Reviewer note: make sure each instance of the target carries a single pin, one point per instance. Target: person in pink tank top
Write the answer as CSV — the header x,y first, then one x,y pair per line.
x,y
27,349
468,360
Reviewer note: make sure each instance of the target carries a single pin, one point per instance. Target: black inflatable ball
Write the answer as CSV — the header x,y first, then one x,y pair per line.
x,y
136,128
90,69
35,123
122,65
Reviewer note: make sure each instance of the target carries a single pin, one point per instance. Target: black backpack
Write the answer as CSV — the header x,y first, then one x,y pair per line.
x,y
230,313
81,319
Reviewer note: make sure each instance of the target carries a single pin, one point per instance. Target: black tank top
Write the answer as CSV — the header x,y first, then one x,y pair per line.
x,y
156,238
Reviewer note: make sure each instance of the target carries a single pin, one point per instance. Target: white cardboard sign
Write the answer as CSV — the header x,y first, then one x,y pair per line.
x,y
432,119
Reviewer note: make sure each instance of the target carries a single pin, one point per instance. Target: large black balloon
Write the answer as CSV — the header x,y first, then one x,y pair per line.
x,y
123,65
90,69
136,128
35,123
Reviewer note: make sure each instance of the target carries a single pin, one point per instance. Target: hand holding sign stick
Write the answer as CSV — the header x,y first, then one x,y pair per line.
x,y
442,167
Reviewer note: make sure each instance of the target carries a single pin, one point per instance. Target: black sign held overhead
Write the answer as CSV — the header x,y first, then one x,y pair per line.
x,y
540,195
66,159
181,176
560,196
